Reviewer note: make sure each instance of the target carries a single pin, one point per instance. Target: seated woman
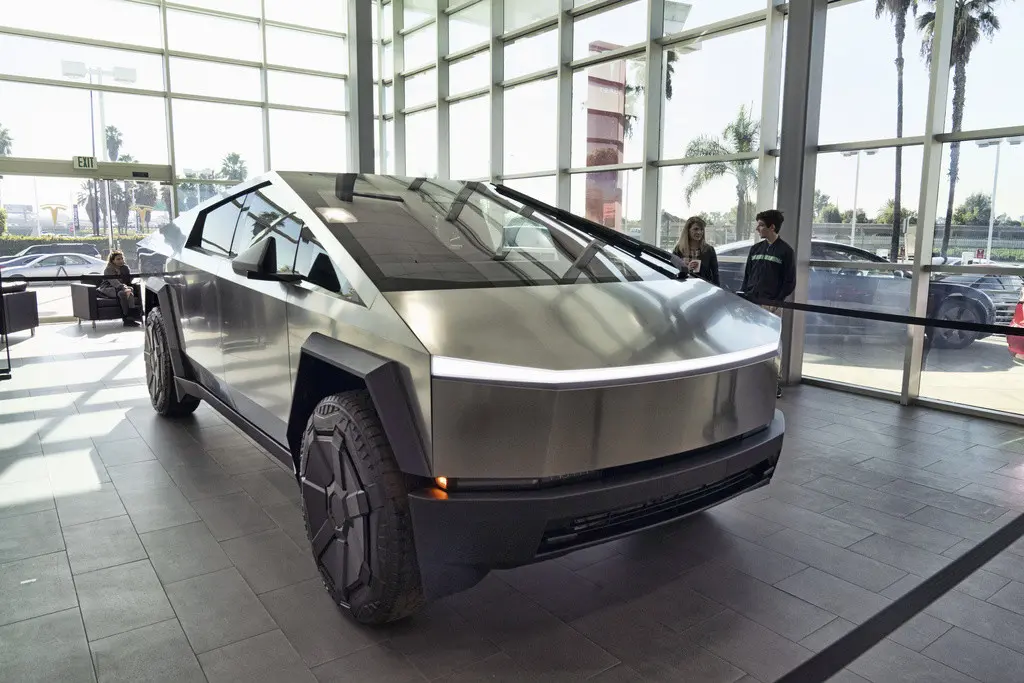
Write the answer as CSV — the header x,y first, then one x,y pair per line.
x,y
699,256
118,285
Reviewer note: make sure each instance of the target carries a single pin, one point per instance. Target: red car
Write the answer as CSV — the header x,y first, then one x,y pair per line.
x,y
1015,343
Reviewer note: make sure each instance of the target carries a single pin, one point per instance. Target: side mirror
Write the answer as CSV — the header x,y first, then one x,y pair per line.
x,y
259,262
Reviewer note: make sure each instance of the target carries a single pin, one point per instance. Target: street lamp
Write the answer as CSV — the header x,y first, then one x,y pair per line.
x,y
856,186
998,144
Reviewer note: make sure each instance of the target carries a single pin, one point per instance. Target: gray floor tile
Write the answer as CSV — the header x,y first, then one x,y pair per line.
x,y
120,599
1007,565
749,646
965,527
920,632
262,489
36,586
902,587
889,662
828,634
270,560
209,480
581,559
918,535
267,658
803,496
769,606
845,564
37,533
438,641
498,668
183,552
139,476
101,544
654,651
742,524
232,515
318,629
949,502
996,494
156,654
124,452
1010,597
913,474
46,649
834,595
982,584
980,618
161,508
850,473
866,497
375,663
810,523
242,460
15,469
623,674
218,609
90,507
979,658
289,519
25,497
757,561
900,555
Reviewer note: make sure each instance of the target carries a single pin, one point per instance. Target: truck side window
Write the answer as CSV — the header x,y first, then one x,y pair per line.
x,y
313,263
217,228
262,219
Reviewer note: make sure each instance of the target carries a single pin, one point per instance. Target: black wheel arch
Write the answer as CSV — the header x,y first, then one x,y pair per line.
x,y
328,366
952,290
159,294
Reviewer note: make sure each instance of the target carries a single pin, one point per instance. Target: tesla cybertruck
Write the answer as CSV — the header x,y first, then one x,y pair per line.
x,y
461,377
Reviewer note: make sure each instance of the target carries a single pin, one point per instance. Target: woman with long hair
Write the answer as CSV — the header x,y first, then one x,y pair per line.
x,y
699,256
117,284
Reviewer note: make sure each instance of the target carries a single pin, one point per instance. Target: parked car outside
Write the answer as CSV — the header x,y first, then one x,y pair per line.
x,y
458,380
70,248
52,265
988,299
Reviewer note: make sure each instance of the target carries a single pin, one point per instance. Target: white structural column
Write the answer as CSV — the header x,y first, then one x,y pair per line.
x,y
497,141
650,209
771,94
398,57
931,177
166,62
563,157
360,86
265,108
443,128
801,106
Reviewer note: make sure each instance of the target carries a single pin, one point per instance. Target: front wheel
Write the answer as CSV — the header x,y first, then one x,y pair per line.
x,y
160,373
962,310
356,508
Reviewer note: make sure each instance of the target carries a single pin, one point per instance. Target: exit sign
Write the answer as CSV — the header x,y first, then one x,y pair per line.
x,y
84,163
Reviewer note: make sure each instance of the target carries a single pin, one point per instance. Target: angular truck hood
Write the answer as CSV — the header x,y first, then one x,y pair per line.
x,y
585,327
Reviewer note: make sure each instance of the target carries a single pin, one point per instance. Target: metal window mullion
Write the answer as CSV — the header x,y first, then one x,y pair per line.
x,y
497,140
443,131
79,40
360,88
563,137
771,94
883,143
801,109
398,60
650,204
264,109
686,161
931,176
165,59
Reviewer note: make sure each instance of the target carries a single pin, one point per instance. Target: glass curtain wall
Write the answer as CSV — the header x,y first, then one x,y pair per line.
x,y
212,92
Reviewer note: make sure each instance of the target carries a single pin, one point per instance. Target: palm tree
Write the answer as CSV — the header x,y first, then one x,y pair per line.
x,y
634,93
114,140
6,147
742,135
972,19
233,167
897,9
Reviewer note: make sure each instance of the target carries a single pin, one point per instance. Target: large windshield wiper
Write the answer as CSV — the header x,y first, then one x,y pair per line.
x,y
630,245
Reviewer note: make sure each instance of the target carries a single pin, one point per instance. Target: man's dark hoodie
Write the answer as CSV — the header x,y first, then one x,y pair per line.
x,y
770,274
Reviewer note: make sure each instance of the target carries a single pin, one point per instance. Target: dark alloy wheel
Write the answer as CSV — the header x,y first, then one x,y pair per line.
x,y
160,373
962,310
356,509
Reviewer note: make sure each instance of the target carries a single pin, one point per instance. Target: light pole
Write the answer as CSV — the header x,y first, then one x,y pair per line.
x,y
998,144
856,186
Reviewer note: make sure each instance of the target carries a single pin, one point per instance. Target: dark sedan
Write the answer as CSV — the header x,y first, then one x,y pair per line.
x,y
967,297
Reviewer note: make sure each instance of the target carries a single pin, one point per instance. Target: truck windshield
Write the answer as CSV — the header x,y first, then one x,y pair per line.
x,y
410,234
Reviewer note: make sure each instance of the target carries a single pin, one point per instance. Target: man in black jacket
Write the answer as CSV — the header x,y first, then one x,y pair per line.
x,y
770,275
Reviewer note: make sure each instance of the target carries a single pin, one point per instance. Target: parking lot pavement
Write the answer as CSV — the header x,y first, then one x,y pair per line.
x,y
53,301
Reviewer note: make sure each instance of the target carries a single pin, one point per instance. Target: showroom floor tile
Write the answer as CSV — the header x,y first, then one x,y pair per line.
x,y
138,548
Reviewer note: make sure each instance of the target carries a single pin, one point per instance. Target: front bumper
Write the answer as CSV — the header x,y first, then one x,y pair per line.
x,y
459,536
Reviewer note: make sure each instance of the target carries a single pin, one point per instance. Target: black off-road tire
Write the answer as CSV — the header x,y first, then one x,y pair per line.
x,y
959,309
160,372
356,509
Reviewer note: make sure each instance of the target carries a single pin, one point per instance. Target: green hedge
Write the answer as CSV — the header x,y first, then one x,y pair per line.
x,y
12,244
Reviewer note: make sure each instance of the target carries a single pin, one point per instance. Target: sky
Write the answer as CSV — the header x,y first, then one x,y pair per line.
x,y
711,83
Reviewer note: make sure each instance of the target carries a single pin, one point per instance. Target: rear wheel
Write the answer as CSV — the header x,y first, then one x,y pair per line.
x,y
160,372
356,509
959,309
